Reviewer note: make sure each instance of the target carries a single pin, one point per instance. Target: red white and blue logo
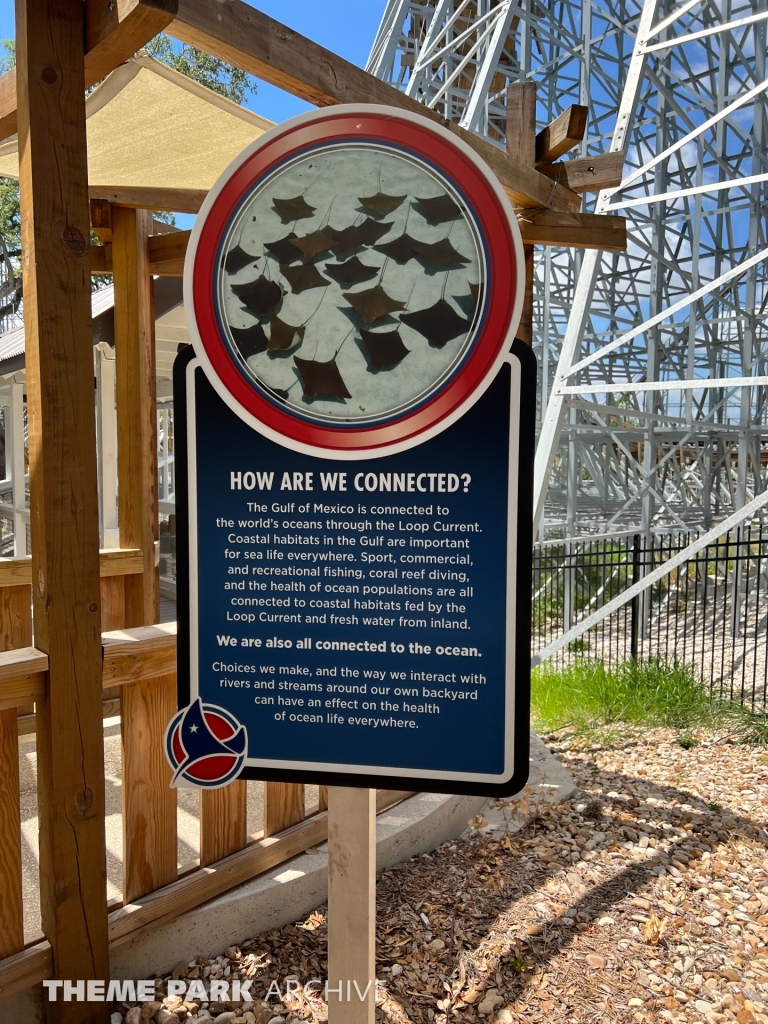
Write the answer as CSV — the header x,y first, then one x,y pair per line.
x,y
206,746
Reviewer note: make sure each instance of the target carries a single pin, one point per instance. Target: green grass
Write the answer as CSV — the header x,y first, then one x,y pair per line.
x,y
592,697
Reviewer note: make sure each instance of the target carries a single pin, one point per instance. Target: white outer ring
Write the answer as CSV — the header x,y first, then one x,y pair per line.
x,y
189,306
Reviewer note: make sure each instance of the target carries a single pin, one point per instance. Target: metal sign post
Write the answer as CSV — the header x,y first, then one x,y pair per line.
x,y
354,447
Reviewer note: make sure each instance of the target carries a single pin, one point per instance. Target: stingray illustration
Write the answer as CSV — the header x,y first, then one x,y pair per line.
x,y
400,249
350,273
439,254
283,336
474,290
249,340
384,350
312,244
321,380
438,210
199,742
372,303
381,204
238,258
293,209
282,249
370,231
304,277
259,296
439,323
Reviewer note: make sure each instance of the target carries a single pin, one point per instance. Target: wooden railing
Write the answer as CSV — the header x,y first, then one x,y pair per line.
x,y
139,667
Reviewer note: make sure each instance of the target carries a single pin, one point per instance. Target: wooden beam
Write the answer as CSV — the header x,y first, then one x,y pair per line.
x,y
8,119
283,806
112,562
562,134
101,220
521,143
136,408
575,230
167,253
223,821
11,905
135,655
236,32
25,969
174,200
587,174
113,33
53,181
521,122
22,677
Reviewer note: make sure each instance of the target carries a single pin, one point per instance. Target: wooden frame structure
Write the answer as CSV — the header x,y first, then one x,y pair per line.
x,y
66,666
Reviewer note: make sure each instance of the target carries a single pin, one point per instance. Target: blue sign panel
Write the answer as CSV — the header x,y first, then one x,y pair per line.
x,y
360,619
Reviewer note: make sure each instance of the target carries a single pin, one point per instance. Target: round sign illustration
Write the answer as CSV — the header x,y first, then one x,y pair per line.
x,y
355,279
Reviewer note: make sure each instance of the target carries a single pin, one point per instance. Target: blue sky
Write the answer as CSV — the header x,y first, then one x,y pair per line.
x,y
345,26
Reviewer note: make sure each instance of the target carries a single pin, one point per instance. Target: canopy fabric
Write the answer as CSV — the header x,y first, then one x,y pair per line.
x,y
149,126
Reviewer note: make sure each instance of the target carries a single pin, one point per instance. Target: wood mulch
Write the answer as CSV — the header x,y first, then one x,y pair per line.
x,y
645,898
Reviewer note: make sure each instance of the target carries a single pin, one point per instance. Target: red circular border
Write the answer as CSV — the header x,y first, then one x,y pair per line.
x,y
502,274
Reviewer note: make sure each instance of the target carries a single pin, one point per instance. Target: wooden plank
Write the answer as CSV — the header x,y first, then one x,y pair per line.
x,y
587,174
322,798
101,259
15,617
136,655
25,969
136,408
11,906
177,200
207,882
283,806
149,803
562,134
575,230
236,32
521,121
351,905
53,181
223,821
8,119
115,31
112,562
168,248
112,602
101,221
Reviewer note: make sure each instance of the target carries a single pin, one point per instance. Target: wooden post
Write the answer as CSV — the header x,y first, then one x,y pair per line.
x,y
136,408
11,909
521,144
53,180
223,821
351,905
283,806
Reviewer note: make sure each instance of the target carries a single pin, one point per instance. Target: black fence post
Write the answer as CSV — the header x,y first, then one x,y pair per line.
x,y
636,598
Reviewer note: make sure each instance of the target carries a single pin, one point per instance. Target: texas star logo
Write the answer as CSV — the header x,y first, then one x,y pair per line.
x,y
205,745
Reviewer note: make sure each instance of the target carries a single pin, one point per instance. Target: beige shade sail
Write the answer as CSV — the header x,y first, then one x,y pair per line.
x,y
150,127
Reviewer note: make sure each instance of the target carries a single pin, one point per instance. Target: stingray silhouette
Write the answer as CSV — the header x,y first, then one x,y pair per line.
x,y
293,209
438,323
372,303
321,379
237,258
249,340
312,244
303,278
282,249
438,209
384,350
381,204
400,249
283,336
350,273
439,254
260,296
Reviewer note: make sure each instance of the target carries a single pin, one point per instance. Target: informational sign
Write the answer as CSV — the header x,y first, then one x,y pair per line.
x,y
354,443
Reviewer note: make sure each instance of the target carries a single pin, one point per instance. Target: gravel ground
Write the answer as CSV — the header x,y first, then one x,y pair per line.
x,y
643,899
